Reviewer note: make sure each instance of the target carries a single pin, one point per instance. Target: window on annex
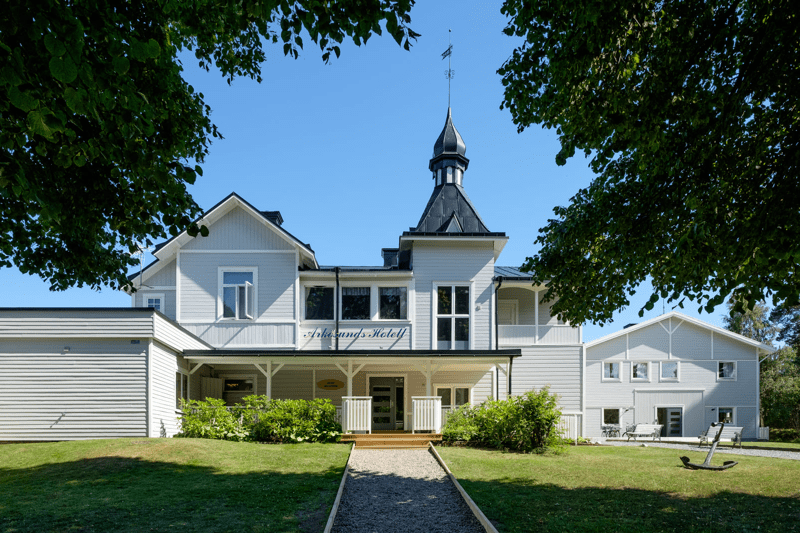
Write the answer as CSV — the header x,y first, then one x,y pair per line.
x,y
669,371
725,415
238,294
393,303
319,303
355,303
610,416
453,396
452,317
611,371
238,385
640,371
726,371
181,388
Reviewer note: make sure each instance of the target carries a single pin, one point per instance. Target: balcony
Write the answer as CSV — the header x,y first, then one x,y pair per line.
x,y
515,336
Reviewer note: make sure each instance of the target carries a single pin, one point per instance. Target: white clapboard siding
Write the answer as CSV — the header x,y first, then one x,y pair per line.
x,y
240,230
163,367
199,280
75,323
238,334
291,384
444,262
96,390
176,337
558,367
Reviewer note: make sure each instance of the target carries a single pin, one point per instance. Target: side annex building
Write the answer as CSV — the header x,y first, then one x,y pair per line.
x,y
438,324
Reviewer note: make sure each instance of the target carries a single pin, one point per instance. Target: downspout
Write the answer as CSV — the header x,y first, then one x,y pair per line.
x,y
497,331
338,300
510,362
499,280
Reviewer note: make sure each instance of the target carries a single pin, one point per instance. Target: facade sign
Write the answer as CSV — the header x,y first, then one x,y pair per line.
x,y
356,334
330,384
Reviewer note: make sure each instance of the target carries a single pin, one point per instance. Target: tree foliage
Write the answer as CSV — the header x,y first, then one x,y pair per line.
x,y
755,323
688,110
98,126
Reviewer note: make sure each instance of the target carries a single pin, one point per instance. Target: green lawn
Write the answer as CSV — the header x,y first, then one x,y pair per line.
x,y
168,484
626,489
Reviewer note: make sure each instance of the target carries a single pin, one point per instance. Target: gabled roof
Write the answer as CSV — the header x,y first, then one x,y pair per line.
x,y
448,202
271,219
511,273
694,321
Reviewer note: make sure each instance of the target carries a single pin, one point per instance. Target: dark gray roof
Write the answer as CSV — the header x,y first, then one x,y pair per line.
x,y
450,210
511,272
449,140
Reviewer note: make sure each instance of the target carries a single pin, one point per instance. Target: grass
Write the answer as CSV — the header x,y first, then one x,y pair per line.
x,y
628,489
168,484
771,444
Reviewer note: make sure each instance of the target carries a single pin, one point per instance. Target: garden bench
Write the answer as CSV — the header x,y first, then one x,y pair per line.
x,y
645,430
729,434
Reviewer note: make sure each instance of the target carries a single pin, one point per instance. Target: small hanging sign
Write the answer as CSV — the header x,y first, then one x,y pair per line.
x,y
330,384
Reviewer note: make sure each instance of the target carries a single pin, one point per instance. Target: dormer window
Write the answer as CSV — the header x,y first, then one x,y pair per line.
x,y
237,290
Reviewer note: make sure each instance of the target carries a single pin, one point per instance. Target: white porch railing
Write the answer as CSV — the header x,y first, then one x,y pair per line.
x,y
426,413
356,414
338,416
569,426
522,335
763,433
446,410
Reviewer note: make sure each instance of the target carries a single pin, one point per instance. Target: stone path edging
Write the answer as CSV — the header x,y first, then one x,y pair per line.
x,y
472,505
335,508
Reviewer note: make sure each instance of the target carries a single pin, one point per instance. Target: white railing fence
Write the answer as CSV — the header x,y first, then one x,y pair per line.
x,y
356,414
525,335
570,426
763,433
338,414
426,413
446,410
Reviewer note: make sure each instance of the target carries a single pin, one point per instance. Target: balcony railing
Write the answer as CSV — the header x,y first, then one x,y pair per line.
x,y
427,413
530,335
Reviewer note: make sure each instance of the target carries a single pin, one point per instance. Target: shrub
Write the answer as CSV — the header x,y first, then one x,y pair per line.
x,y
294,420
526,423
210,419
784,435
261,419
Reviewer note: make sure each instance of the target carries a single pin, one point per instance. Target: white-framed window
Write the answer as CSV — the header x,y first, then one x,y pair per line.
x,y
726,371
181,388
640,371
392,303
154,300
454,395
670,371
611,416
726,415
612,371
452,306
319,303
356,302
237,293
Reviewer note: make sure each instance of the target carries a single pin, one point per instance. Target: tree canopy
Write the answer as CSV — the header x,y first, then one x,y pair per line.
x,y
688,111
98,126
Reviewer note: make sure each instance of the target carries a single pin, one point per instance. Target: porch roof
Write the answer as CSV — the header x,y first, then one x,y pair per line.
x,y
331,354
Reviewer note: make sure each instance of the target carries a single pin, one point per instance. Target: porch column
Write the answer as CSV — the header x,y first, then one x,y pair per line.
x,y
428,371
350,373
499,367
189,381
268,373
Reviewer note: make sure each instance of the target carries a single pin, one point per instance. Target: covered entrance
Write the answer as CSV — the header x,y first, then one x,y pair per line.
x,y
388,394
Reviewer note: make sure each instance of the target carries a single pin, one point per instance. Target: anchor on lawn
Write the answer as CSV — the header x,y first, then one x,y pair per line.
x,y
707,463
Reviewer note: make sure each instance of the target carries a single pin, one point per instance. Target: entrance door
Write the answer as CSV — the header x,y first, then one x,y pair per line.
x,y
670,418
387,402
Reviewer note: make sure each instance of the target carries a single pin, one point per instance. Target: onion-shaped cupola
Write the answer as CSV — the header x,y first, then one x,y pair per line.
x,y
449,162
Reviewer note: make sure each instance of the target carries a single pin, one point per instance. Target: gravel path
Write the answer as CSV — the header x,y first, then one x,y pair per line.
x,y
764,452
401,491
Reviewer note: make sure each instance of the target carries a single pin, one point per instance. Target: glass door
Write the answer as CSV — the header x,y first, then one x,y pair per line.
x,y
387,402
670,418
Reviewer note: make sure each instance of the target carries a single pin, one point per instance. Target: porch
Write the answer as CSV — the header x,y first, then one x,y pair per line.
x,y
406,390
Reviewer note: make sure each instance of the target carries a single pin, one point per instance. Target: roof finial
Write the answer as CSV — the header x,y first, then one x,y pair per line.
x,y
449,73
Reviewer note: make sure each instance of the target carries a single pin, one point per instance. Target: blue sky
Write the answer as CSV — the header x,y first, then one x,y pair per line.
x,y
342,149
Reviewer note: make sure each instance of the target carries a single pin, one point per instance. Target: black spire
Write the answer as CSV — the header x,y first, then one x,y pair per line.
x,y
449,162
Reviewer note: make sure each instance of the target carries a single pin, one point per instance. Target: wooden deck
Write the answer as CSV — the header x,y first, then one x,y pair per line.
x,y
392,439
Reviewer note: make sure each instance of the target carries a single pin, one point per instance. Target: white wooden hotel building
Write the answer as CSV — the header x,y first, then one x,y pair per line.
x,y
249,310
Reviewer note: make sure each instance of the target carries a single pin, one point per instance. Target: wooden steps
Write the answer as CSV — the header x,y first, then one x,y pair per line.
x,y
392,440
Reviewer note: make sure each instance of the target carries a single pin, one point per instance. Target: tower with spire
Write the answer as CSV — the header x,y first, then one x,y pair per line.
x,y
449,210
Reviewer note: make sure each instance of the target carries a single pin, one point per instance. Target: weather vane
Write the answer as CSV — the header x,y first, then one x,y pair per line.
x,y
449,73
